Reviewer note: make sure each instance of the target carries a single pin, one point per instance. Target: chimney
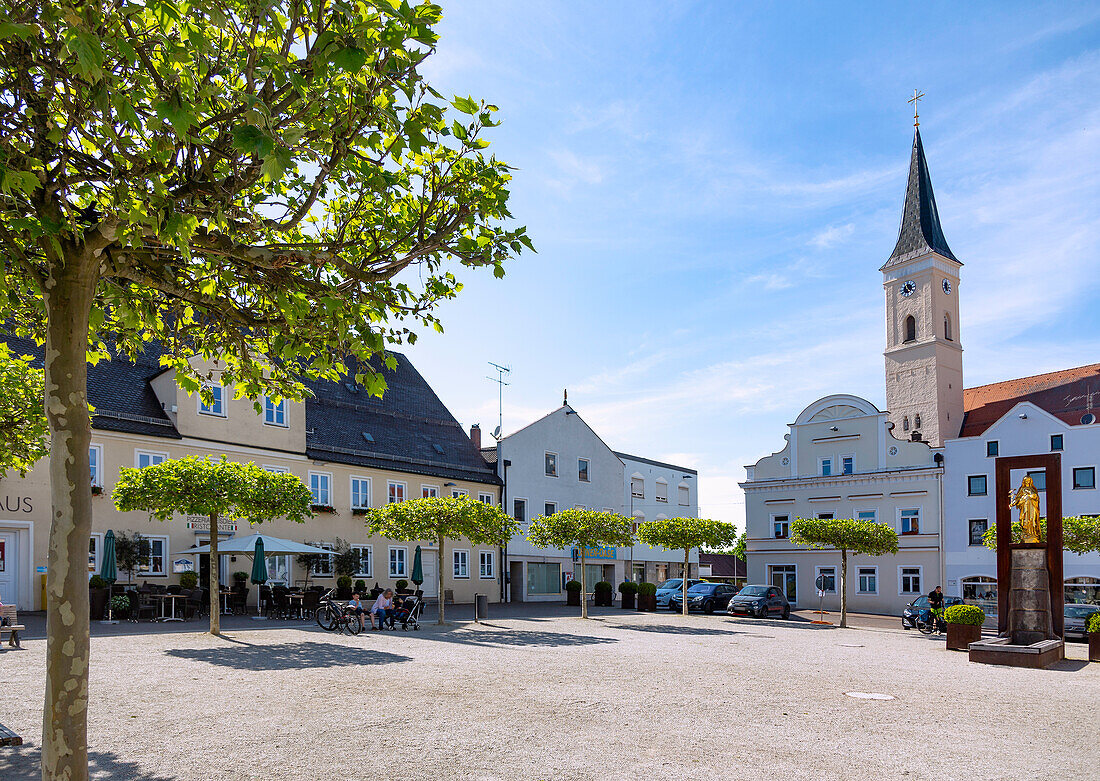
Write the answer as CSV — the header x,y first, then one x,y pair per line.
x,y
475,435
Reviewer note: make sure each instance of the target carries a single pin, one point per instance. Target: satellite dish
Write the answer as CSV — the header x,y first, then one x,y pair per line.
x,y
496,433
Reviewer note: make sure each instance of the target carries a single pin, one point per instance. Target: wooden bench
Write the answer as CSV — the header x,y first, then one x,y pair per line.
x,y
9,612
9,738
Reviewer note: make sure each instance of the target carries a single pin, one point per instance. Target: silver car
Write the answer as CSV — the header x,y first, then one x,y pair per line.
x,y
1077,617
670,587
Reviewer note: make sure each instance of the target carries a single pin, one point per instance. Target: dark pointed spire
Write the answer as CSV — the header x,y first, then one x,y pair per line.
x,y
920,222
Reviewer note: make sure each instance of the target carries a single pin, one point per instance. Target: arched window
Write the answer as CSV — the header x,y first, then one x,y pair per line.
x,y
947,327
905,423
916,421
910,329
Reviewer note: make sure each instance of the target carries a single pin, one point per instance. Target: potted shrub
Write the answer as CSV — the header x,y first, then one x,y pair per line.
x,y
964,626
120,606
647,597
573,593
1093,626
361,587
402,587
240,581
604,594
343,587
629,589
97,597
189,579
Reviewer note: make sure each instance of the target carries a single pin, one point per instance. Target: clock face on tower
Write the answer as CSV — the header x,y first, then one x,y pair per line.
x,y
908,288
947,286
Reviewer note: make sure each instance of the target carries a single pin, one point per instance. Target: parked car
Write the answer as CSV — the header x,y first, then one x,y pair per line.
x,y
670,587
760,601
913,609
707,597
1077,617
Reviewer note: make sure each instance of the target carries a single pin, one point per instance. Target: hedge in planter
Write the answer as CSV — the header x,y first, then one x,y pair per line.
x,y
189,580
603,594
964,626
1093,627
629,590
647,597
573,593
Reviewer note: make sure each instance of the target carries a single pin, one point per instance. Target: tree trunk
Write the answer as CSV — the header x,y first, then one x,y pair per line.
x,y
215,586
439,579
584,586
68,300
843,588
684,580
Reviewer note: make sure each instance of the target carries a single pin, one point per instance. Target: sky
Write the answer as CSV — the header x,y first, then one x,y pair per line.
x,y
712,188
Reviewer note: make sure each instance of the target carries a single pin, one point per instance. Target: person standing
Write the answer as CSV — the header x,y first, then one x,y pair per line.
x,y
935,604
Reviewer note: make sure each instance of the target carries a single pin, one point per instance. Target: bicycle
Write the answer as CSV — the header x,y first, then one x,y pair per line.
x,y
331,615
930,620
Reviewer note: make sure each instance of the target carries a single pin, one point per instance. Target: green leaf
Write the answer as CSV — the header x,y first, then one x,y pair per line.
x,y
276,164
250,140
88,50
465,105
177,115
350,58
9,30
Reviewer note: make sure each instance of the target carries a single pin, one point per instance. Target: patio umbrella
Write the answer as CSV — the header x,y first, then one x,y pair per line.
x,y
418,568
259,569
246,546
108,570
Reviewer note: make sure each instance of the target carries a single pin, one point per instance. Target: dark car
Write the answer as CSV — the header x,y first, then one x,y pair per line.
x,y
1077,617
760,601
670,587
914,608
707,597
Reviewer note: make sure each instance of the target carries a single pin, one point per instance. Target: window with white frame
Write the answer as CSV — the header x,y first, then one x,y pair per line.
x,y
485,498
582,469
364,561
158,558
360,493
992,448
825,466
144,458
278,470
95,545
485,561
847,465
978,528
398,559
549,508
909,520
909,580
867,515
395,491
661,491
429,491
216,407
868,580
829,575
274,412
461,563
976,485
685,496
323,568
95,460
278,570
1084,477
551,464
320,488
519,510
457,492
781,526
1056,441
824,516
637,487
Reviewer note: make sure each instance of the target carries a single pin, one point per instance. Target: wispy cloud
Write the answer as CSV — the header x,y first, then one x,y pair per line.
x,y
831,236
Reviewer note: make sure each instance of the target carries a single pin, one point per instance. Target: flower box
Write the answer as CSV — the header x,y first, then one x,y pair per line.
x,y
359,510
97,490
322,508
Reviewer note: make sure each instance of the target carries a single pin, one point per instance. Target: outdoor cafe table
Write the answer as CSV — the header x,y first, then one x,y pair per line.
x,y
296,601
170,598
225,595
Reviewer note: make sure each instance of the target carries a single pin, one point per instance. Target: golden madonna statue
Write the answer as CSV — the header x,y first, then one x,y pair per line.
x,y
1027,500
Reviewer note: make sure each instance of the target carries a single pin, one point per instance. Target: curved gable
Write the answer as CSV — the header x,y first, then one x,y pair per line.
x,y
836,407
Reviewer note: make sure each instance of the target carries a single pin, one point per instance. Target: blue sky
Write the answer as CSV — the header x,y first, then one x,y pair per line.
x,y
712,188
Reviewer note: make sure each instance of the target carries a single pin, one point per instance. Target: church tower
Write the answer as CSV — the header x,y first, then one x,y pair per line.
x,y
924,378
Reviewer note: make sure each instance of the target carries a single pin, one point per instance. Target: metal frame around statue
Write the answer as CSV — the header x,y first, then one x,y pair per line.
x,y
1051,463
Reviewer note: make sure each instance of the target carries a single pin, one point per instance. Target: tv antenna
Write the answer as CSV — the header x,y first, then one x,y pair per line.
x,y
500,381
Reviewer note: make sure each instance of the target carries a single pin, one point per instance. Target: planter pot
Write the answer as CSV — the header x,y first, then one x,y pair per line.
x,y
1094,646
97,601
628,601
647,603
573,598
343,593
603,599
960,636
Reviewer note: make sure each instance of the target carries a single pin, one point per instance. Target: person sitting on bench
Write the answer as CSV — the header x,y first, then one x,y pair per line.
x,y
382,609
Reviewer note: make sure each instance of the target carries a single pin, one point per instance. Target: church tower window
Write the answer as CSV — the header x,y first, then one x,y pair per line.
x,y
916,422
905,423
910,329
947,327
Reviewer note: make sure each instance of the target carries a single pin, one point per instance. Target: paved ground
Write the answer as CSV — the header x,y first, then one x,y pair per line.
x,y
625,695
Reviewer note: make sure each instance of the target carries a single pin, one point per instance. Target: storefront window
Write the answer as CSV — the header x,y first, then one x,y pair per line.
x,y
1083,590
543,578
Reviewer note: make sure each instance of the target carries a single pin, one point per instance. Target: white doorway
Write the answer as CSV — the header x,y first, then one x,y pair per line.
x,y
9,568
429,561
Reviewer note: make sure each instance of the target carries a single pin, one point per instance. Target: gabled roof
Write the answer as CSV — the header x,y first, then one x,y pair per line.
x,y
1068,395
627,457
920,231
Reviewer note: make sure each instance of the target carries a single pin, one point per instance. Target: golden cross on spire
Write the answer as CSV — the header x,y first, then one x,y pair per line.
x,y
917,95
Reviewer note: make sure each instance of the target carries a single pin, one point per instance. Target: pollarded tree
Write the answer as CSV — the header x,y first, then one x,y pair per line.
x,y
216,489
441,519
23,429
243,180
685,534
582,529
845,534
1080,534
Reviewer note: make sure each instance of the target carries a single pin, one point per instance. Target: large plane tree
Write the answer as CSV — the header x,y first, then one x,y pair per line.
x,y
240,180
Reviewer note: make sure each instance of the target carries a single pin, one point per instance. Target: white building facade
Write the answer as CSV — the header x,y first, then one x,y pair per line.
x,y
654,490
841,460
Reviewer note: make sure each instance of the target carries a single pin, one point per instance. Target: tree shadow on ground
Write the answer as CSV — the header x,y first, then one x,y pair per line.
x,y
1069,665
669,629
518,638
288,656
22,763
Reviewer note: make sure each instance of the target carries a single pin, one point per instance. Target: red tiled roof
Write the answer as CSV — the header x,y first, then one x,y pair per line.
x,y
1068,395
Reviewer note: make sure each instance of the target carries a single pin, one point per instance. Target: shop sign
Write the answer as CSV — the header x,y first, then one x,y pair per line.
x,y
601,552
183,565
18,504
201,523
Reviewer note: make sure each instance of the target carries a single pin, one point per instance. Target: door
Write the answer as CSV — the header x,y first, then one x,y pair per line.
x,y
784,578
9,569
429,561
515,586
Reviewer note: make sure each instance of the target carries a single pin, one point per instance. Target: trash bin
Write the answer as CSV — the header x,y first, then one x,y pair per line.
x,y
481,606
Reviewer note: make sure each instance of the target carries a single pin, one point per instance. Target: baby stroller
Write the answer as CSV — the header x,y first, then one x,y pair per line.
x,y
408,613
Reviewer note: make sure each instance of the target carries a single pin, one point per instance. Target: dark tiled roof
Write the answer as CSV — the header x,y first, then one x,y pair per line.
x,y
119,392
651,462
724,565
1068,395
920,221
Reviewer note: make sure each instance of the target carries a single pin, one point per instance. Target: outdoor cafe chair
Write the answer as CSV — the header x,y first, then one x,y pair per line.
x,y
141,605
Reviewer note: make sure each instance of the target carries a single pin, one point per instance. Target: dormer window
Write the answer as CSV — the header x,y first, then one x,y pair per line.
x,y
910,329
216,407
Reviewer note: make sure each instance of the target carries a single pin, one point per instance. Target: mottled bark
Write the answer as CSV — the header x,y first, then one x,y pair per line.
x,y
584,586
439,580
843,587
684,580
215,586
68,299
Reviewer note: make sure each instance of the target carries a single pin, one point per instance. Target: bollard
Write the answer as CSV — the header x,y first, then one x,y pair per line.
x,y
481,607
